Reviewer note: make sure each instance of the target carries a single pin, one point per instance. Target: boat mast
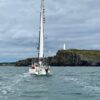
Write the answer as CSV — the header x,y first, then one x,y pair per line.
x,y
41,33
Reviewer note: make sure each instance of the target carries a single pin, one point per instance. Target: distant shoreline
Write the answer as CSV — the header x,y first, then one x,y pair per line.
x,y
65,58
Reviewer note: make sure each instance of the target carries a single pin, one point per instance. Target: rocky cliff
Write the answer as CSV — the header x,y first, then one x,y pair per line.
x,y
72,57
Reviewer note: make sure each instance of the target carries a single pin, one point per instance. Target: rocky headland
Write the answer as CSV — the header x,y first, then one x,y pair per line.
x,y
72,57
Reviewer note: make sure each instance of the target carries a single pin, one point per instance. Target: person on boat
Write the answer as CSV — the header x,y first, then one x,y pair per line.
x,y
33,66
47,70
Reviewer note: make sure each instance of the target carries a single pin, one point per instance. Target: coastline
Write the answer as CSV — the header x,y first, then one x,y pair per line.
x,y
66,58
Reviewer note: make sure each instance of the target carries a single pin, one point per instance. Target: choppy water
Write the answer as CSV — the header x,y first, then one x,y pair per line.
x,y
65,84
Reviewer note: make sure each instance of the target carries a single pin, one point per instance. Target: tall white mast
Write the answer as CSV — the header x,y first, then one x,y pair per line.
x,y
41,32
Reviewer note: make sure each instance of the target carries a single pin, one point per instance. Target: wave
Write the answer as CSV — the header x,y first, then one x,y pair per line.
x,y
11,86
83,84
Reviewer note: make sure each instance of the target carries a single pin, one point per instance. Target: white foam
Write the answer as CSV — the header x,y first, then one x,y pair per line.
x,y
4,92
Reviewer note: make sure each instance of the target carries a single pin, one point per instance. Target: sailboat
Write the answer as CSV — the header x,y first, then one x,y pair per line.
x,y
39,68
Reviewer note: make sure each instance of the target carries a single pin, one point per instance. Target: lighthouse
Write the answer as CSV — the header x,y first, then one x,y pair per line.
x,y
64,46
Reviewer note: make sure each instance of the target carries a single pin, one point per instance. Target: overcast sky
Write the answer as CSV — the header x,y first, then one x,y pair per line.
x,y
74,22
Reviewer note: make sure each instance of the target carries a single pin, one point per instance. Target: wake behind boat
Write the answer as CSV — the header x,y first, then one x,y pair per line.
x,y
39,68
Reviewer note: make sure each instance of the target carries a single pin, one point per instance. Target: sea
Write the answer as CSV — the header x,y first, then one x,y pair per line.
x,y
66,83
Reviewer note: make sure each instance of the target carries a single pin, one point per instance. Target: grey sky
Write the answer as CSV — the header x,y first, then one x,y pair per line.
x,y
74,22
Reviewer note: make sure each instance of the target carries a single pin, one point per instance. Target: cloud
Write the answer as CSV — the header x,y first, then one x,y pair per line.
x,y
74,22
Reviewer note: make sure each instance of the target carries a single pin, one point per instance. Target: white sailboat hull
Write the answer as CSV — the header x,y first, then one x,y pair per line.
x,y
38,71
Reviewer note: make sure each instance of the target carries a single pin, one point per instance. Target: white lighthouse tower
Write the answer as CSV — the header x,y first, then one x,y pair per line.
x,y
64,46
